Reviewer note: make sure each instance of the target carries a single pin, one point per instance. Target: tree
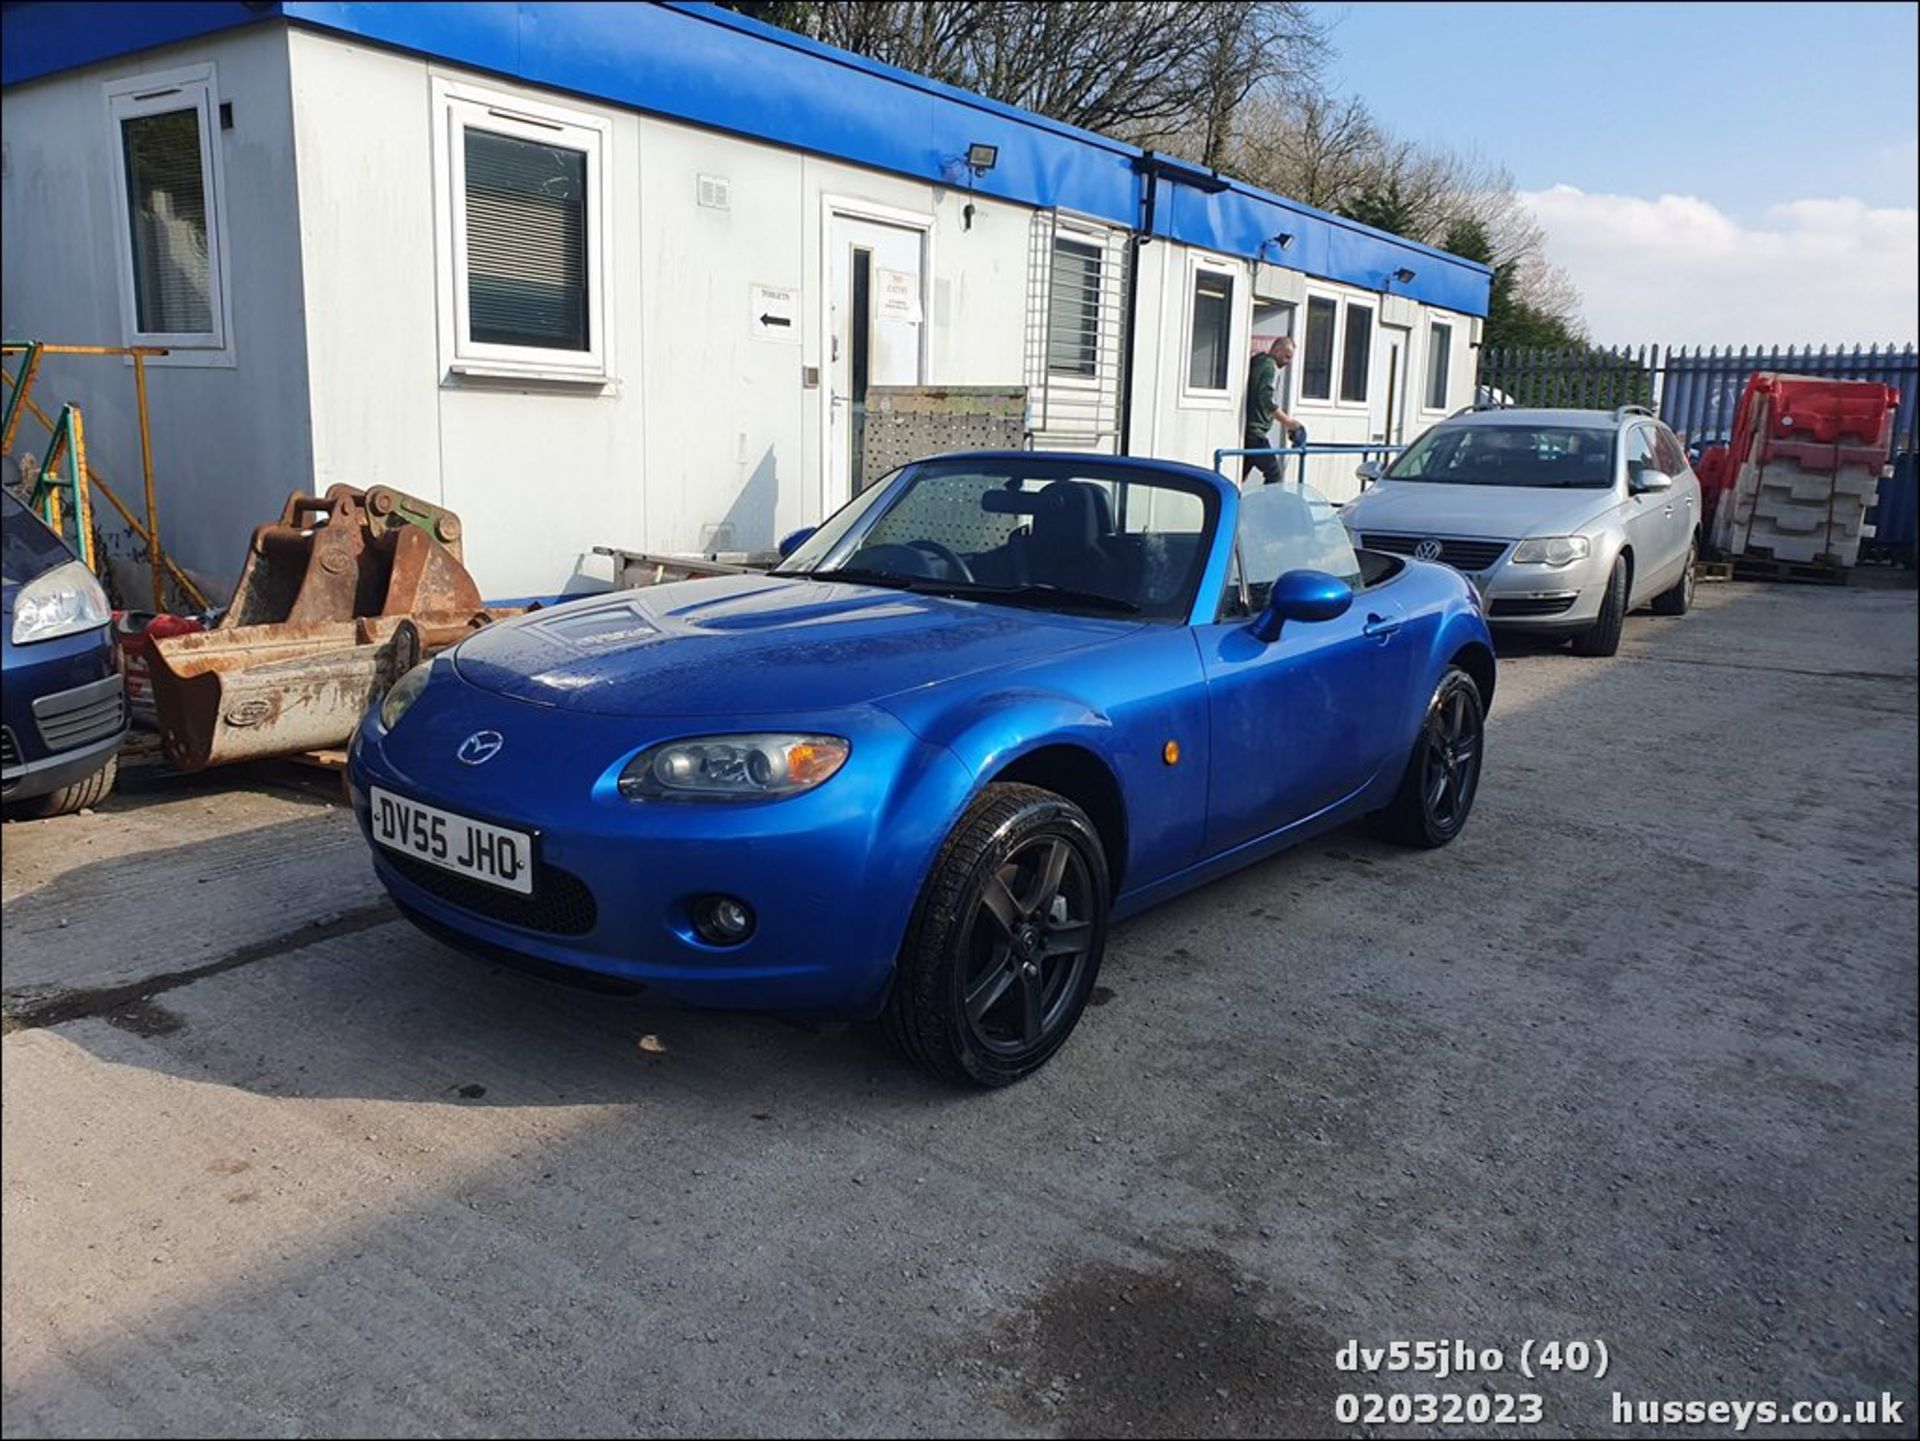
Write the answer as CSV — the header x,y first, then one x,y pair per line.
x,y
1512,322
1149,71
1233,84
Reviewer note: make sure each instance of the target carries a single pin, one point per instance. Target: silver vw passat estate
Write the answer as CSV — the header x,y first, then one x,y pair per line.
x,y
1564,519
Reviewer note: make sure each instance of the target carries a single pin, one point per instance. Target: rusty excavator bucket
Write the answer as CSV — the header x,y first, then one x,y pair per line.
x,y
339,598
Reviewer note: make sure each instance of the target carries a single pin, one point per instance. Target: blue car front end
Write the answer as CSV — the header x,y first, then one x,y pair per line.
x,y
63,712
829,876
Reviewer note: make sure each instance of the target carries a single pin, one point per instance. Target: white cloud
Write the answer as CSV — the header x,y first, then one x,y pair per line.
x,y
1678,270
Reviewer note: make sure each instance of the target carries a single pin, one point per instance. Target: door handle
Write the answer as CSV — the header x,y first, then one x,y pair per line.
x,y
1381,626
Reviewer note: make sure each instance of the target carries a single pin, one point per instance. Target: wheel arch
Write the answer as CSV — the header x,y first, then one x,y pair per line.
x,y
1083,777
1476,659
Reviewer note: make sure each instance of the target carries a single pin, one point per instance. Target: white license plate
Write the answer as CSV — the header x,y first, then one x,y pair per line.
x,y
492,854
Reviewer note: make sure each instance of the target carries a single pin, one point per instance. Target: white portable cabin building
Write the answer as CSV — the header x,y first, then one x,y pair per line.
x,y
620,273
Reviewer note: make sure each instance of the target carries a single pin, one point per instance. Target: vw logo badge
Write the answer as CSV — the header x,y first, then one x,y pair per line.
x,y
1427,550
480,747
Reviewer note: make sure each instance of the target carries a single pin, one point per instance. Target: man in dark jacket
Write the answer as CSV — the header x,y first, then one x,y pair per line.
x,y
1263,408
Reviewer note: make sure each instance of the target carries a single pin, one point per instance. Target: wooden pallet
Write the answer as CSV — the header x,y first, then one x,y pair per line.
x,y
1712,570
322,760
1753,567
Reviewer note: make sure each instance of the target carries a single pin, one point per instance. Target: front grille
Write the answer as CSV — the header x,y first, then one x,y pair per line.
x,y
73,718
9,749
561,904
1467,555
1517,606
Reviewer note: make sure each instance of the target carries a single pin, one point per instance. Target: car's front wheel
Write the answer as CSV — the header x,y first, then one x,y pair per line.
x,y
68,800
1443,773
1006,940
1603,638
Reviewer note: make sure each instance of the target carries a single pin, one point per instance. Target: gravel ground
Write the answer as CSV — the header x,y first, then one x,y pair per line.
x,y
1634,1060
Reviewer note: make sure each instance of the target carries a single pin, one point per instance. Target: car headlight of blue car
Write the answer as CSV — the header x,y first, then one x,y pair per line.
x,y
64,601
733,768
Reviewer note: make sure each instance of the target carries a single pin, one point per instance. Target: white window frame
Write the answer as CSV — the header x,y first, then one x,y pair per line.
x,y
1193,397
1302,399
1348,304
1426,379
458,106
161,93
1342,303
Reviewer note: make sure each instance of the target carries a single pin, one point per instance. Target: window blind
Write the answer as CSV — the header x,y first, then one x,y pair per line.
x,y
167,210
1073,309
526,243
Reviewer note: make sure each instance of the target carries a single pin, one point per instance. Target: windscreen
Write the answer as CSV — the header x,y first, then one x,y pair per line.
x,y
1061,534
1550,456
27,548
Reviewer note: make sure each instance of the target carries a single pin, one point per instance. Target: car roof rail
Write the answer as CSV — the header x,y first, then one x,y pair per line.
x,y
1624,411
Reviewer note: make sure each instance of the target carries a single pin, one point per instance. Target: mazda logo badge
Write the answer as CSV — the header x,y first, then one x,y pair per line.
x,y
480,747
1427,550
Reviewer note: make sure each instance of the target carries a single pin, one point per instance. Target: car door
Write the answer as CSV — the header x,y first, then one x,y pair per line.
x,y
1649,518
1305,722
1684,511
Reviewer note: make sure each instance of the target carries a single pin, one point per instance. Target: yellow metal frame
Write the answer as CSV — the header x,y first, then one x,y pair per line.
x,y
149,531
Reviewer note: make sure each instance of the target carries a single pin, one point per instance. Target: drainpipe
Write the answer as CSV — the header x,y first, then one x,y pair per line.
x,y
1152,165
1140,240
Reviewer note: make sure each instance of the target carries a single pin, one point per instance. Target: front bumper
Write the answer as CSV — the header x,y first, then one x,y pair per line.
x,y
53,738
1542,598
831,875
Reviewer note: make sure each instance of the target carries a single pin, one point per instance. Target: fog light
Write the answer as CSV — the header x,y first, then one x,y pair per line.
x,y
722,920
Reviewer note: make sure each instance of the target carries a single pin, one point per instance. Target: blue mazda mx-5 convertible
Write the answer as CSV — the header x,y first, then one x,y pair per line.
x,y
996,702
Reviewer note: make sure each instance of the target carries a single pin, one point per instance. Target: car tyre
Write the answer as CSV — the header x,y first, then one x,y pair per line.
x,y
1443,772
89,791
1603,638
1679,599
1005,942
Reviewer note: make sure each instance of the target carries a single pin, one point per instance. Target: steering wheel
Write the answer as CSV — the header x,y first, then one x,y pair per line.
x,y
946,556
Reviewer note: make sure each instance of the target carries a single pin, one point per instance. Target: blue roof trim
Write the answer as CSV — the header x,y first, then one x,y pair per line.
x,y
46,38
713,68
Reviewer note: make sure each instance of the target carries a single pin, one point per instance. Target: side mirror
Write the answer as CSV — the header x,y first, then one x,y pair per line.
x,y
1369,471
1648,478
792,542
1302,595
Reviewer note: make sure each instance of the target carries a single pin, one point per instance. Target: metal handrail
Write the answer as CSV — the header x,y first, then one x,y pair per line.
x,y
1311,448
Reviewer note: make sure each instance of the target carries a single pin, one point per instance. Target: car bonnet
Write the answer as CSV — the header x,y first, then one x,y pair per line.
x,y
1498,512
750,645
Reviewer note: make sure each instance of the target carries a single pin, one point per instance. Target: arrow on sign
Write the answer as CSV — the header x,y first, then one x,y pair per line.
x,y
776,320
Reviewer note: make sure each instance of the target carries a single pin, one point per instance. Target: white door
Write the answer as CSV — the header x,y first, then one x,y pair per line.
x,y
1389,411
875,323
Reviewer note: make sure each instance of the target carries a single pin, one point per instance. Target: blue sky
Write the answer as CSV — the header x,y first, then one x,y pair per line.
x,y
1747,150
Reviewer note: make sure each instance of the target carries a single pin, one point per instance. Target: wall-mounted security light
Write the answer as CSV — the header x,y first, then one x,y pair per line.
x,y
1403,275
979,159
1284,240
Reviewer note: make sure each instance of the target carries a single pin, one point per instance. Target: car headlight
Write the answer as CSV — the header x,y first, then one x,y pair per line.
x,y
64,601
732,768
403,693
1552,550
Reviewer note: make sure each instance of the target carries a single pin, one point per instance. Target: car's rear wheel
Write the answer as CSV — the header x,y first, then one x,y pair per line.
x,y
1443,773
1603,637
1678,600
1006,941
76,797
